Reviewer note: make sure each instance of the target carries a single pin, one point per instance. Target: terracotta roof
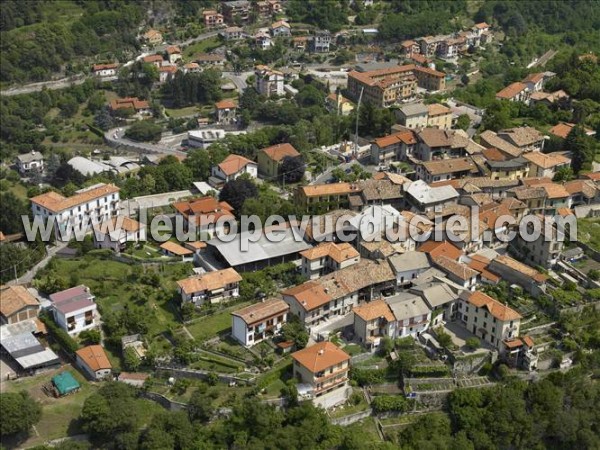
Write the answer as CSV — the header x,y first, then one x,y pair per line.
x,y
97,67
191,66
594,176
534,77
528,193
169,69
196,245
94,357
480,264
173,49
233,164
585,187
546,160
55,202
374,310
491,139
493,154
358,276
338,252
437,109
520,267
309,295
452,165
528,341
226,104
280,151
453,267
153,58
209,281
152,33
207,210
175,248
495,308
511,91
129,103
280,23
119,223
481,25
435,249
554,190
406,137
15,298
521,136
262,310
316,190
564,212
320,356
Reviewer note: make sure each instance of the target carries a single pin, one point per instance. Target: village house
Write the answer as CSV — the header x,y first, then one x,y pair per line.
x,y
398,146
440,298
411,313
373,192
94,362
93,204
260,321
212,18
206,214
508,169
232,167
513,271
526,139
322,374
562,130
446,169
17,304
74,309
320,41
439,116
535,81
327,257
311,303
408,266
192,68
166,73
491,140
105,70
115,233
226,112
233,33
545,165
21,349
263,40
152,37
132,104
339,104
268,8
409,48
372,321
281,29
321,198
271,158
268,82
487,318
210,287
582,192
435,143
28,163
514,92
424,198
173,53
545,250
174,250
413,115
237,11
457,272
210,59
560,98
156,60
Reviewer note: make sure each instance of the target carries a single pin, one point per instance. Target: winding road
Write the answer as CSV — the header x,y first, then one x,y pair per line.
x,y
115,138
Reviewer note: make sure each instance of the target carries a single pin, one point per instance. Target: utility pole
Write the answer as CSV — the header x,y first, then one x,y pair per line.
x,y
357,116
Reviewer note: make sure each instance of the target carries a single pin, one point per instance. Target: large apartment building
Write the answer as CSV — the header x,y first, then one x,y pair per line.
x,y
93,204
387,87
257,322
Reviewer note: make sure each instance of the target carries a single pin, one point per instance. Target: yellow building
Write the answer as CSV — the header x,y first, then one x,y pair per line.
x,y
271,158
439,116
320,198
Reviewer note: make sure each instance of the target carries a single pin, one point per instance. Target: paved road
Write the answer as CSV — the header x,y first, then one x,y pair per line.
x,y
545,58
239,79
30,274
115,138
79,79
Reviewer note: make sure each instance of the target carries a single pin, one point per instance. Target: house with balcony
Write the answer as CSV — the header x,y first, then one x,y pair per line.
x,y
226,112
322,374
115,233
321,198
582,192
526,139
236,11
436,143
373,321
411,313
327,257
514,92
152,37
545,165
424,198
408,266
93,204
281,29
439,297
516,272
75,309
320,41
210,287
233,33
260,321
397,146
268,82
487,318
206,214
212,18
446,169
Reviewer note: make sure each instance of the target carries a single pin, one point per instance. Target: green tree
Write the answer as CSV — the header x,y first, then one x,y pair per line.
x,y
463,122
19,413
12,210
581,147
236,192
131,360
144,131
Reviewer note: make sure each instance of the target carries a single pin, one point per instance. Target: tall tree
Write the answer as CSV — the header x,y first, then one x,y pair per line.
x,y
19,413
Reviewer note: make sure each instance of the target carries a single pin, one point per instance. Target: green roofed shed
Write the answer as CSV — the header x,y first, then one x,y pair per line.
x,y
65,383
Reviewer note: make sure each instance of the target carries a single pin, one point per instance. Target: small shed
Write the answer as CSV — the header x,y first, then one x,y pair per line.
x,y
65,383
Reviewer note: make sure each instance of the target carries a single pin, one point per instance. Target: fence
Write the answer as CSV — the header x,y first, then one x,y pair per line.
x,y
163,401
352,418
203,375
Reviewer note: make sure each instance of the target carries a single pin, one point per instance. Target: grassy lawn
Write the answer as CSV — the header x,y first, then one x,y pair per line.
x,y
204,46
353,349
367,426
588,232
182,112
210,326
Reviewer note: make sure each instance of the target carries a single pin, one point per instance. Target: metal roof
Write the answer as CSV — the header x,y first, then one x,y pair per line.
x,y
44,358
260,250
65,383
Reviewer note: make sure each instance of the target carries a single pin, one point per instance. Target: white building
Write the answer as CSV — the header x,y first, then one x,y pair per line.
x,y
408,266
268,82
105,70
93,204
255,323
116,232
327,257
30,162
233,166
74,309
94,362
212,287
204,138
281,28
411,312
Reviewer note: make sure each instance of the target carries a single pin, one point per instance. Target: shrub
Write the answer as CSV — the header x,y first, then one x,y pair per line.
x,y
385,403
473,343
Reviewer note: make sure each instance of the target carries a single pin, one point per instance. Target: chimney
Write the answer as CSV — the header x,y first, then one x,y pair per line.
x,y
321,352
